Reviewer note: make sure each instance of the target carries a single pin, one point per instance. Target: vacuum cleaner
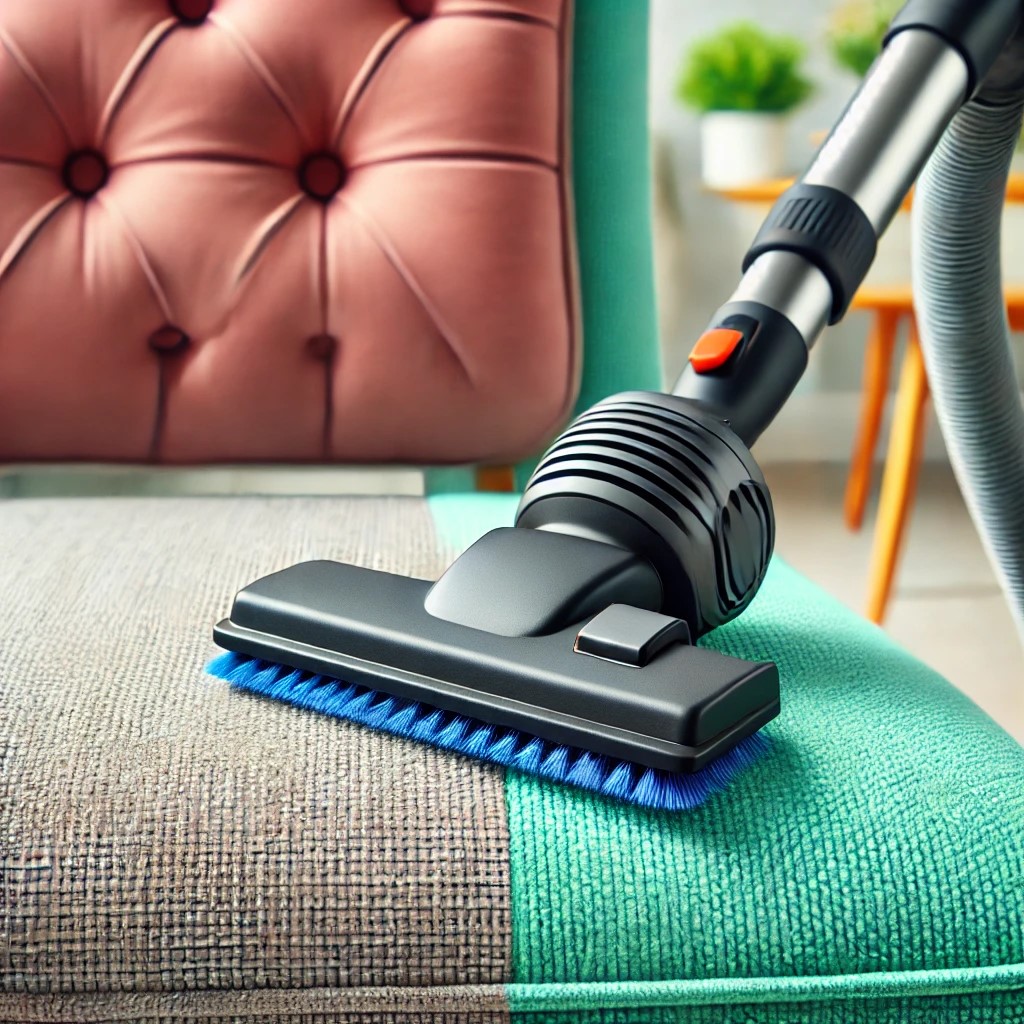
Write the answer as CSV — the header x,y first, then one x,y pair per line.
x,y
567,644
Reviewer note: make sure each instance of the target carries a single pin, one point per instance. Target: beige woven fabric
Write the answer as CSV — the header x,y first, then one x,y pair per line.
x,y
160,833
469,1004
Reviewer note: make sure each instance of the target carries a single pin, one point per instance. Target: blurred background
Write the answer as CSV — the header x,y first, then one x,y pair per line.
x,y
704,236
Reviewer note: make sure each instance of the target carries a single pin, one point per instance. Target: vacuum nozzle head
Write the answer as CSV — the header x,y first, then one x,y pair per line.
x,y
620,682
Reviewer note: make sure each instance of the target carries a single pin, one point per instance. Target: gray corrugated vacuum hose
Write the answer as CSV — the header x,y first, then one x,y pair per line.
x,y
957,276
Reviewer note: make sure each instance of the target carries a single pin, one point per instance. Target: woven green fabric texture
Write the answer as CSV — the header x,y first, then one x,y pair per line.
x,y
983,1008
883,833
917,997
611,176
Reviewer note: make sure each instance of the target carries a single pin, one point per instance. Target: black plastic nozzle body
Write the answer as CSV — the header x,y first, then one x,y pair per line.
x,y
645,525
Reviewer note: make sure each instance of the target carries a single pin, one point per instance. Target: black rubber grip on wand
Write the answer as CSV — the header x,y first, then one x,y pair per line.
x,y
828,229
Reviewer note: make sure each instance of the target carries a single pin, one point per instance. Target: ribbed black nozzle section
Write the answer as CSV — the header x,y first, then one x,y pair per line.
x,y
659,475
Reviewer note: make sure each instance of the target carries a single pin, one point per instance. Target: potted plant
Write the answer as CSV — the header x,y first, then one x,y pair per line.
x,y
744,82
857,31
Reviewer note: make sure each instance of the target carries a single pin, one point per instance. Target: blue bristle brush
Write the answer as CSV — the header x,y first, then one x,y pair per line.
x,y
621,780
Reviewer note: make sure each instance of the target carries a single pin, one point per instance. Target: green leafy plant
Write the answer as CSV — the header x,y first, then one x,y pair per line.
x,y
744,68
857,30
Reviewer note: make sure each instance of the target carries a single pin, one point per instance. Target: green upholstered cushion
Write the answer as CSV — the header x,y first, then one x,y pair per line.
x,y
871,868
612,194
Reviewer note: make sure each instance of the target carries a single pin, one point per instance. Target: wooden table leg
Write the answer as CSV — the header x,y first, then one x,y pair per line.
x,y
902,467
496,478
875,388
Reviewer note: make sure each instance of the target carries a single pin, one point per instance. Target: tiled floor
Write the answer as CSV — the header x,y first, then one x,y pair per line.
x,y
948,609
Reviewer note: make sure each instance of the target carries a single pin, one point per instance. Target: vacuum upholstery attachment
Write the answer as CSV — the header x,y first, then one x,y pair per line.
x,y
564,645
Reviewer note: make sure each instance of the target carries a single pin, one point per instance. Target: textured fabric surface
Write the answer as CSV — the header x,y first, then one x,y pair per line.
x,y
160,834
278,231
884,832
950,995
983,1008
612,195
467,1004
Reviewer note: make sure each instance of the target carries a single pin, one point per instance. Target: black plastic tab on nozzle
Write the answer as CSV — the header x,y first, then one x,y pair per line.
x,y
630,636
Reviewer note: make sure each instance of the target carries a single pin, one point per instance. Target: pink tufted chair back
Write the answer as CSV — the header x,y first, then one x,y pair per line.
x,y
284,230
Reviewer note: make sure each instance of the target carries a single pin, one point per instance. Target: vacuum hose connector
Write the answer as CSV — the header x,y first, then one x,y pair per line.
x,y
957,274
661,476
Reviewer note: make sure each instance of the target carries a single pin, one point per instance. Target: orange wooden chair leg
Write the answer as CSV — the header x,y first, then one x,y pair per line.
x,y
877,364
899,483
496,478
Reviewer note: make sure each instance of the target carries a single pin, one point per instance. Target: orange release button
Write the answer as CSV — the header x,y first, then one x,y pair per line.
x,y
714,349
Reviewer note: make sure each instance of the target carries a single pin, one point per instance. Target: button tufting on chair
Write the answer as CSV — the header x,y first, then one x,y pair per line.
x,y
321,175
191,12
417,9
221,134
85,172
168,340
322,346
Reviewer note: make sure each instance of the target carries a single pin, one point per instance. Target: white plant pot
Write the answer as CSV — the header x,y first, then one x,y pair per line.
x,y
740,147
1013,244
